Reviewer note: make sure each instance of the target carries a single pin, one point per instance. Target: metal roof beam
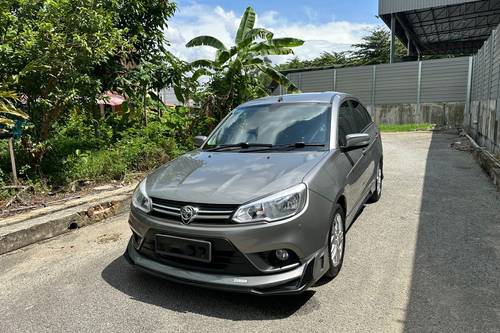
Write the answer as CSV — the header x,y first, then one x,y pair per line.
x,y
409,32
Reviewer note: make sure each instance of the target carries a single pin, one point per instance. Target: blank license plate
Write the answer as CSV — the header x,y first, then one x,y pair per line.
x,y
185,248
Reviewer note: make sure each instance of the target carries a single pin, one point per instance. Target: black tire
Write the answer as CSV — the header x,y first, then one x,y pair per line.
x,y
334,269
377,194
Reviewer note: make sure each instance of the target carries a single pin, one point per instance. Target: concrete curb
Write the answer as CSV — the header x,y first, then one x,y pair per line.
x,y
23,233
487,161
97,197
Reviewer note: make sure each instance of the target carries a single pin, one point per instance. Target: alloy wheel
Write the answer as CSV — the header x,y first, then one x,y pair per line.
x,y
337,240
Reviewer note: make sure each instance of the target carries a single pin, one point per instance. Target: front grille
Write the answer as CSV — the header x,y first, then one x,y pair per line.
x,y
207,213
226,259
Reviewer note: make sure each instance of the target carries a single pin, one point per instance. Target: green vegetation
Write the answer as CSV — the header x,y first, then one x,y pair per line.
x,y
406,127
239,73
373,49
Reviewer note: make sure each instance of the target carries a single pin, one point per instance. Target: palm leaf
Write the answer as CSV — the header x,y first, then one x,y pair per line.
x,y
206,41
7,99
6,122
247,23
224,55
286,42
258,33
253,61
280,78
202,63
264,48
200,72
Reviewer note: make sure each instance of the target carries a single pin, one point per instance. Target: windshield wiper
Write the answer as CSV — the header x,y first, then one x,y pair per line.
x,y
242,145
296,145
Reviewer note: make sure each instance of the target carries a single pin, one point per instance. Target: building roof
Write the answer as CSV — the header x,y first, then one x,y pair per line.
x,y
395,6
442,26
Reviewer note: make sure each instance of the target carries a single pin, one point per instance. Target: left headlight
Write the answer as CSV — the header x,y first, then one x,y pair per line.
x,y
275,207
140,199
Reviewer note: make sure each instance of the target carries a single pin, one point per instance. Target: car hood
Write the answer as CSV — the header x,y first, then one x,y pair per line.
x,y
229,177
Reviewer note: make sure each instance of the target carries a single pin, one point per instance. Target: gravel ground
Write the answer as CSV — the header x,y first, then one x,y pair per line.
x,y
425,258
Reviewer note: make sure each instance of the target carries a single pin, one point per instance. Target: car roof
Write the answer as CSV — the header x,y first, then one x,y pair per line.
x,y
322,97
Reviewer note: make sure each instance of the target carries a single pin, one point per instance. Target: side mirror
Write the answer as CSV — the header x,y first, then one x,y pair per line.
x,y
356,141
199,140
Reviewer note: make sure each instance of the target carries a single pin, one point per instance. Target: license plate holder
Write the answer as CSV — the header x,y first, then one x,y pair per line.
x,y
184,248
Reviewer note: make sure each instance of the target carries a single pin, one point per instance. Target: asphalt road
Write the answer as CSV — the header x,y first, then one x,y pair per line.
x,y
425,258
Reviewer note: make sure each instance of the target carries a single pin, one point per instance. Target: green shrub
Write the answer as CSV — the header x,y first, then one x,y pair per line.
x,y
97,165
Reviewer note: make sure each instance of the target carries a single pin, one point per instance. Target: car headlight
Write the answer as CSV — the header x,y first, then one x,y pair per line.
x,y
140,199
275,207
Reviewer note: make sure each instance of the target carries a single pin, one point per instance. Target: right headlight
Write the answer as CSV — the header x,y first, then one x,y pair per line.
x,y
140,199
275,207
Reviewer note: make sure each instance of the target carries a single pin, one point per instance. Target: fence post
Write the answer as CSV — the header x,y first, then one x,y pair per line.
x,y
374,82
419,88
335,79
469,90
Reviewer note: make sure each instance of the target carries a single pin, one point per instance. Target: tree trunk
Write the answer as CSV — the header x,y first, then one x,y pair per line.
x,y
145,109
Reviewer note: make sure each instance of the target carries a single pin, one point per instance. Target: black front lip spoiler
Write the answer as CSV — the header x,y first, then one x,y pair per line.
x,y
301,285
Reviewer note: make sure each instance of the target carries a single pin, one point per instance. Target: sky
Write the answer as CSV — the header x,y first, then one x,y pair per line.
x,y
324,25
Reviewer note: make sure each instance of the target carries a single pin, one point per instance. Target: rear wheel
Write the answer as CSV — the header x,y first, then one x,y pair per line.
x,y
378,185
336,242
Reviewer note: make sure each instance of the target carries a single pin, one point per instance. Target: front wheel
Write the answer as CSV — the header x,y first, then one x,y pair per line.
x,y
336,242
378,185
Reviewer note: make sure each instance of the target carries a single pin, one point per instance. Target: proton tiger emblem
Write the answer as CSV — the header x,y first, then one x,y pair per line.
x,y
188,213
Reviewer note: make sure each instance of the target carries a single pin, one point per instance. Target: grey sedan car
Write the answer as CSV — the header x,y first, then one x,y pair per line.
x,y
263,205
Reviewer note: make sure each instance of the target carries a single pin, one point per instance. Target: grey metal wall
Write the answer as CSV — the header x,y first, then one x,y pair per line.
x,y
482,116
396,6
413,84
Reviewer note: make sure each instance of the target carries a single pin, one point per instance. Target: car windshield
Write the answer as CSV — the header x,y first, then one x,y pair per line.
x,y
275,124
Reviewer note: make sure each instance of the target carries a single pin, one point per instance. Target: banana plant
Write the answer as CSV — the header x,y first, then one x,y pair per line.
x,y
248,54
7,107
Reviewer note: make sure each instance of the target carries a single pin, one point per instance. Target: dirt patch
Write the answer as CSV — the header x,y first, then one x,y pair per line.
x,y
463,145
108,238
26,198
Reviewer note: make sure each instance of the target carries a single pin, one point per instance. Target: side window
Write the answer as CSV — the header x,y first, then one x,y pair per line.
x,y
361,116
346,123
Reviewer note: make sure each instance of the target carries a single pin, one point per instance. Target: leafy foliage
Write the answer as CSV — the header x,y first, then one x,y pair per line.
x,y
65,53
236,74
8,109
374,49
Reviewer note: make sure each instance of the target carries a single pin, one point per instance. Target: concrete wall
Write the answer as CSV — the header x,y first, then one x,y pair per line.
x,y
443,114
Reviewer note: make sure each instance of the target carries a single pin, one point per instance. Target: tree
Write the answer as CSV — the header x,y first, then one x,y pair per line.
x,y
65,53
326,59
375,48
234,73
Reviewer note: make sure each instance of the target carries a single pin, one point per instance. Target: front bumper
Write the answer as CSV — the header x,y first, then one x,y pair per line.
x,y
291,282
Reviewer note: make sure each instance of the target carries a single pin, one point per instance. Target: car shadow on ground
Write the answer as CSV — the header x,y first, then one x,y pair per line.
x,y
456,270
184,298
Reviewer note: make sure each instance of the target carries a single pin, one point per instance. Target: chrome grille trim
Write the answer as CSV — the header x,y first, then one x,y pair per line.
x,y
206,212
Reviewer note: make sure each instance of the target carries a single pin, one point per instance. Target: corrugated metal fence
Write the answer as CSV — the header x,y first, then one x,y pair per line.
x,y
418,91
482,117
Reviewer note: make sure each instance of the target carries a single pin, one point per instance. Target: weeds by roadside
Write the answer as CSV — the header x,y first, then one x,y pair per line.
x,y
406,127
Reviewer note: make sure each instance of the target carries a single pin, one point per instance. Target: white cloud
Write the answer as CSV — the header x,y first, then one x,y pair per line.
x,y
196,19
